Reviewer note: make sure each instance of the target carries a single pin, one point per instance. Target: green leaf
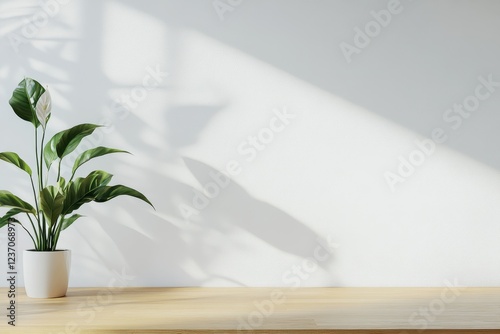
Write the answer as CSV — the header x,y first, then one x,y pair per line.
x,y
108,193
24,100
49,152
8,217
70,220
84,190
7,199
94,153
62,183
71,138
51,203
65,142
14,159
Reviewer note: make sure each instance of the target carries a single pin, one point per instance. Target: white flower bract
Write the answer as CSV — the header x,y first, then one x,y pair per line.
x,y
43,108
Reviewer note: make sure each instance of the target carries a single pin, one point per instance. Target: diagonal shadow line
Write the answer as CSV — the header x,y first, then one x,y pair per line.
x,y
380,80
235,206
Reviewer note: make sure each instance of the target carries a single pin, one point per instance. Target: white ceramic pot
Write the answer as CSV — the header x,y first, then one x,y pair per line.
x,y
46,274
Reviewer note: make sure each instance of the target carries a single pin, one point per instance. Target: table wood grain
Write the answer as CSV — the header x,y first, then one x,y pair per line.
x,y
258,310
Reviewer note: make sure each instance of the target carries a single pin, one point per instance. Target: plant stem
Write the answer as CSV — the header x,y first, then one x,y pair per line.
x,y
58,231
36,155
37,210
41,183
59,170
53,232
31,236
41,160
42,228
34,231
45,235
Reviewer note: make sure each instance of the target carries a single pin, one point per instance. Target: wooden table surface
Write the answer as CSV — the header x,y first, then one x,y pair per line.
x,y
258,310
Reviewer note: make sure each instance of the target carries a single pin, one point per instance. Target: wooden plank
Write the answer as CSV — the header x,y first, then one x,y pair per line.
x,y
259,310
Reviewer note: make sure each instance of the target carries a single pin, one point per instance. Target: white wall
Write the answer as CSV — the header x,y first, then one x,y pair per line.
x,y
321,177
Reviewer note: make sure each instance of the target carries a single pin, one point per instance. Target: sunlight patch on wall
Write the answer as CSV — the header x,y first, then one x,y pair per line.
x,y
126,35
327,168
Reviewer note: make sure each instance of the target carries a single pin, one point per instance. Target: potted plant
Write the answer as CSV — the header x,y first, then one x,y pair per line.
x,y
56,196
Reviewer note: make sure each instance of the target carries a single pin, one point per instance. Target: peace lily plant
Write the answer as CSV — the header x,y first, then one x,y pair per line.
x,y
54,206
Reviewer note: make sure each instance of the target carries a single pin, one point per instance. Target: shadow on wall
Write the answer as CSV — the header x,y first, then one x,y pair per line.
x,y
196,116
426,60
235,207
234,210
183,245
408,75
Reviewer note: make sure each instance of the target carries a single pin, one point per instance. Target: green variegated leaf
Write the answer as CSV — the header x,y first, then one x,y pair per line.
x,y
84,190
51,203
70,220
7,199
65,142
108,193
14,159
94,153
24,100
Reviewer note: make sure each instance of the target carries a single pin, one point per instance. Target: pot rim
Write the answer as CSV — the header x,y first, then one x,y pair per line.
x,y
54,251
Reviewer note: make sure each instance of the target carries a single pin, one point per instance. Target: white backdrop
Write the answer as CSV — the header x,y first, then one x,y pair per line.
x,y
321,112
